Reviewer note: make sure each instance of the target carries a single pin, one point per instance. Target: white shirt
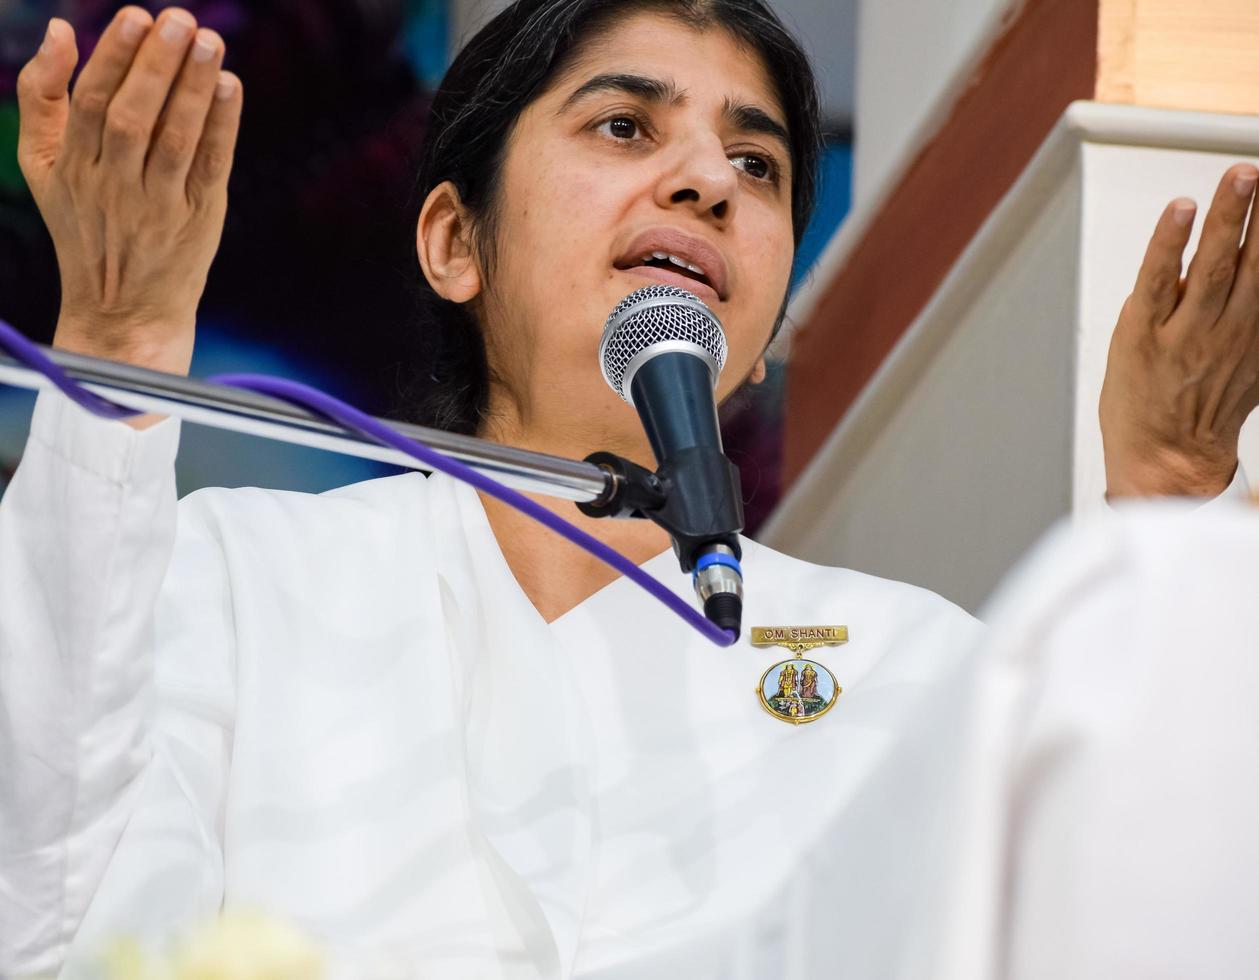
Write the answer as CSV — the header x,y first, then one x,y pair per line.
x,y
1105,816
343,710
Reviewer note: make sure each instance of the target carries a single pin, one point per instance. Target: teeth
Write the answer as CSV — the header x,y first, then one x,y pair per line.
x,y
666,257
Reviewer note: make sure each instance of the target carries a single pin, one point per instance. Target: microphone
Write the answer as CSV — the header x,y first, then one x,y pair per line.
x,y
662,351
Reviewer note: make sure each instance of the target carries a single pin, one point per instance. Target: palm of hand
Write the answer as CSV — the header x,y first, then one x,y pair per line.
x,y
130,174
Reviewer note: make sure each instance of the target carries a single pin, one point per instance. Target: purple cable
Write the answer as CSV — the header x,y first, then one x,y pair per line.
x,y
356,421
351,418
29,354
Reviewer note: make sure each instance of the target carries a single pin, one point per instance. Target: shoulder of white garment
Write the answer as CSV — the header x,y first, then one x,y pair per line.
x,y
373,510
1146,548
366,520
1111,710
116,451
899,630
786,575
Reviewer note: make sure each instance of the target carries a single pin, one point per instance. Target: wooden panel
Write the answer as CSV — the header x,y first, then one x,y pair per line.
x,y
1044,61
1180,54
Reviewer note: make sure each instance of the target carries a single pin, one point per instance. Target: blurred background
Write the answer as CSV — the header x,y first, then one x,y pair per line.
x,y
314,279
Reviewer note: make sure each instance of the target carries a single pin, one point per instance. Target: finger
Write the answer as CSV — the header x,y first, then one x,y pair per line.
x,y
44,102
133,112
1211,273
213,162
1246,289
179,128
99,81
1158,283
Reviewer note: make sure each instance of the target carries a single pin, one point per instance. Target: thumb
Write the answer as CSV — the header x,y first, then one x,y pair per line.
x,y
44,102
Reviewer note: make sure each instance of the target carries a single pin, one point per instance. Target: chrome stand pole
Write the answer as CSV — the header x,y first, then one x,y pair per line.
x,y
223,407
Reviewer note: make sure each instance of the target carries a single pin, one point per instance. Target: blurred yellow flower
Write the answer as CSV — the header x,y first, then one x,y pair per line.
x,y
128,959
239,946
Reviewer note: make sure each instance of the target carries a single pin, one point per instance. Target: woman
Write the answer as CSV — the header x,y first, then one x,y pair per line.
x,y
435,737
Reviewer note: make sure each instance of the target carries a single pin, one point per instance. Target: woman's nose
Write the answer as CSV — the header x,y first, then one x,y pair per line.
x,y
701,177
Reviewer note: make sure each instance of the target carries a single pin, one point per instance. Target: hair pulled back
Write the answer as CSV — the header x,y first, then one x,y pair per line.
x,y
497,74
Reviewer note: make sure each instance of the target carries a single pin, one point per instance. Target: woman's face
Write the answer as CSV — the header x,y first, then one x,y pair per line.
x,y
659,140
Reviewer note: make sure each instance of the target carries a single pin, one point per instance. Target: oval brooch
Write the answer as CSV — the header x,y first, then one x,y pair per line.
x,y
798,690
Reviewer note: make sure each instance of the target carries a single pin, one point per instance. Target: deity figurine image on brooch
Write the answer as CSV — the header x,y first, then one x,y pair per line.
x,y
798,690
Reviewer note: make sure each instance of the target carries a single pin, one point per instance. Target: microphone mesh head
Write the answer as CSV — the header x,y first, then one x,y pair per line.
x,y
654,315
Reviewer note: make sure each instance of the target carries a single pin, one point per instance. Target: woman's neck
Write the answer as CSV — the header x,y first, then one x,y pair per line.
x,y
553,572
572,439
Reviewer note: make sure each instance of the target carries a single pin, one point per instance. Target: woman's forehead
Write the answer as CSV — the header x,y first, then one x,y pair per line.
x,y
692,62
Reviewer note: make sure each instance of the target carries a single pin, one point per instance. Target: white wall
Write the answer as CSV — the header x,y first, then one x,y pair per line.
x,y
981,428
957,455
912,56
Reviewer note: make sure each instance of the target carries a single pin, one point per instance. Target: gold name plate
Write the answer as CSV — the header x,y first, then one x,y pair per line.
x,y
797,638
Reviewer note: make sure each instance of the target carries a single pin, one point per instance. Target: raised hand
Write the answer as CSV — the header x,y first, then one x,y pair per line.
x,y
1183,372
130,174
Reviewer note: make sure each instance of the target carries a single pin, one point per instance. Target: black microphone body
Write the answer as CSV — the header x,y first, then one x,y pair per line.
x,y
673,393
662,351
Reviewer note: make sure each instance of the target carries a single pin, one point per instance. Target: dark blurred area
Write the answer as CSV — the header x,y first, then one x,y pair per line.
x,y
315,253
316,276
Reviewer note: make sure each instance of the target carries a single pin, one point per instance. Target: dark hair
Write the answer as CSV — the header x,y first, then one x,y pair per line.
x,y
503,68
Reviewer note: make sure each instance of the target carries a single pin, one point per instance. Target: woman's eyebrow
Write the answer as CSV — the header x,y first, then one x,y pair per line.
x,y
753,119
643,86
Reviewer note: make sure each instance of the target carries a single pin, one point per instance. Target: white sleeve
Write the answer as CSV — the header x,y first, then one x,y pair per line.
x,y
97,738
1110,796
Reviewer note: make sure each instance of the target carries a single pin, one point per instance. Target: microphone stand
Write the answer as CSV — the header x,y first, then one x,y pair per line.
x,y
224,407
602,485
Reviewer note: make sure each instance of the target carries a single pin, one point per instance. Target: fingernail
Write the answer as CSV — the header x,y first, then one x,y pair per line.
x,y
177,26
51,36
1183,212
134,26
1244,183
205,47
225,87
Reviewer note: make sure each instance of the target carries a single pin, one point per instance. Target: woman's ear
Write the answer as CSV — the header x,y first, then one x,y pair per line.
x,y
758,372
443,238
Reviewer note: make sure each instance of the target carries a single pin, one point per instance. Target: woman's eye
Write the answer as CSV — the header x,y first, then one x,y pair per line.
x,y
753,165
621,127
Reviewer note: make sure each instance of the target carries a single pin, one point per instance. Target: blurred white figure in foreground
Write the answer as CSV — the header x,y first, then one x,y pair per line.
x,y
1107,802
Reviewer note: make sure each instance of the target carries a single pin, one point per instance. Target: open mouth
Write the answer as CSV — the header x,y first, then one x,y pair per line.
x,y
673,264
669,255
663,260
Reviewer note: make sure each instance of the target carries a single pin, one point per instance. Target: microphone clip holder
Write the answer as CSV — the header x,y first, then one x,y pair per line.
x,y
673,498
678,498
632,491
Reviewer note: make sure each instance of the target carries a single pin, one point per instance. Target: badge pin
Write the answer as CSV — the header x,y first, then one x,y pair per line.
x,y
802,689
